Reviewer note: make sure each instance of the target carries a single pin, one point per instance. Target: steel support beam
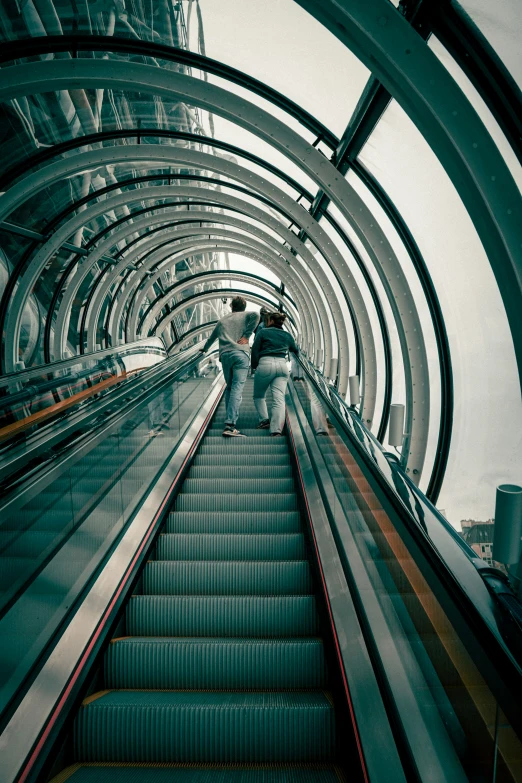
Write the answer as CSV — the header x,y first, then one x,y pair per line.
x,y
172,156
87,74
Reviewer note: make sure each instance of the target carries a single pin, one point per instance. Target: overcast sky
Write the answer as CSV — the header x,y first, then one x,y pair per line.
x,y
280,44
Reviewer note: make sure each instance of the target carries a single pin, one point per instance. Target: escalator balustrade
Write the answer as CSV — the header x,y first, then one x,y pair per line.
x,y
221,673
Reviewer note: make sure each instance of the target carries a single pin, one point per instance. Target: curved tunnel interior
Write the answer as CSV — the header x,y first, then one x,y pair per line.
x,y
318,592
355,167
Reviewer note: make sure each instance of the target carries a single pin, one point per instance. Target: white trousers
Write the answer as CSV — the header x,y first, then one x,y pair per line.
x,y
272,373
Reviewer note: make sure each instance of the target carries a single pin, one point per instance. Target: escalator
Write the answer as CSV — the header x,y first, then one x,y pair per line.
x,y
221,662
284,610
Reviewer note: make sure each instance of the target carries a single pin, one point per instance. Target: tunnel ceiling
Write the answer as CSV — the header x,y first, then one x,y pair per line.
x,y
145,180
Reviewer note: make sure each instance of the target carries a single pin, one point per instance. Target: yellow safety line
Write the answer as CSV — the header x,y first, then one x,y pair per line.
x,y
95,697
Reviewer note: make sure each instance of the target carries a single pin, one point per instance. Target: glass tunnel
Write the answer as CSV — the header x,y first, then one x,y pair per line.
x,y
343,602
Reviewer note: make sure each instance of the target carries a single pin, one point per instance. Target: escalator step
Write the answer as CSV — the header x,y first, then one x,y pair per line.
x,y
237,486
241,471
258,436
205,727
228,521
229,577
244,446
316,773
219,664
230,547
258,616
251,459
187,501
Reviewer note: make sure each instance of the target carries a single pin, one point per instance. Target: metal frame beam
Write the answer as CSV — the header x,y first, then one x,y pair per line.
x,y
222,200
192,300
88,74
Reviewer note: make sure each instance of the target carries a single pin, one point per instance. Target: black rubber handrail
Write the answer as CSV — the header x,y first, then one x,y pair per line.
x,y
497,651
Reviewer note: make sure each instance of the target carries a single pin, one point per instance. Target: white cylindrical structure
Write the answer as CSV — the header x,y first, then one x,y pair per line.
x,y
98,347
355,397
508,524
332,372
318,357
396,428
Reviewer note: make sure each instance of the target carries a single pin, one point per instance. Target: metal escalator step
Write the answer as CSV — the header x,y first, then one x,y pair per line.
x,y
187,501
259,616
241,471
229,577
250,432
199,773
237,486
244,446
231,458
206,727
219,546
214,663
259,522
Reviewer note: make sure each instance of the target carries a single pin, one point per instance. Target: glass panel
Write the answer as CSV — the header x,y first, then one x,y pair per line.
x,y
485,447
30,400
424,316
398,381
309,64
374,323
419,649
480,107
54,544
501,24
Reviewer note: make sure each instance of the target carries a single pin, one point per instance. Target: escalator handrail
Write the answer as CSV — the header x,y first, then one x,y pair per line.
x,y
478,590
380,457
176,364
36,720
23,376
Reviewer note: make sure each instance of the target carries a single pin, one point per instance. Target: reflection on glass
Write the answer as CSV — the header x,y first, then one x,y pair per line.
x,y
54,543
501,25
485,447
480,107
30,400
428,669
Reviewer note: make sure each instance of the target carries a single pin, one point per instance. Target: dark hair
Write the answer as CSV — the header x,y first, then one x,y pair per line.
x,y
238,304
277,319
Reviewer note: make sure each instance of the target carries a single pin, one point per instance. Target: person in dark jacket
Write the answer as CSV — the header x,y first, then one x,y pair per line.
x,y
269,360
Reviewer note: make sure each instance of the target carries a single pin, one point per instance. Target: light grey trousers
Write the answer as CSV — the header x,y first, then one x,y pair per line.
x,y
272,373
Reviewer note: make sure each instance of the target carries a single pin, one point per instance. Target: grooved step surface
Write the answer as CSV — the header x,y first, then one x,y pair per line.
x,y
241,471
244,446
232,577
222,664
251,437
271,616
257,522
190,501
222,546
239,486
215,663
205,727
201,774
247,459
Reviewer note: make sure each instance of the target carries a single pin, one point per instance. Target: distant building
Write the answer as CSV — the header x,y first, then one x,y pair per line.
x,y
479,536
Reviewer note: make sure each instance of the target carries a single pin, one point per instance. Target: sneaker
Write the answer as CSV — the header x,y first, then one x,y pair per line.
x,y
231,432
263,425
276,434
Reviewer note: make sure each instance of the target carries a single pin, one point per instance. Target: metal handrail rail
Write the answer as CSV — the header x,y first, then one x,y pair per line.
x,y
22,376
498,607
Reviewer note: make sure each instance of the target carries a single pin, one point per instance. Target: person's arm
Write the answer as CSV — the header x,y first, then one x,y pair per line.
x,y
252,321
213,336
254,359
